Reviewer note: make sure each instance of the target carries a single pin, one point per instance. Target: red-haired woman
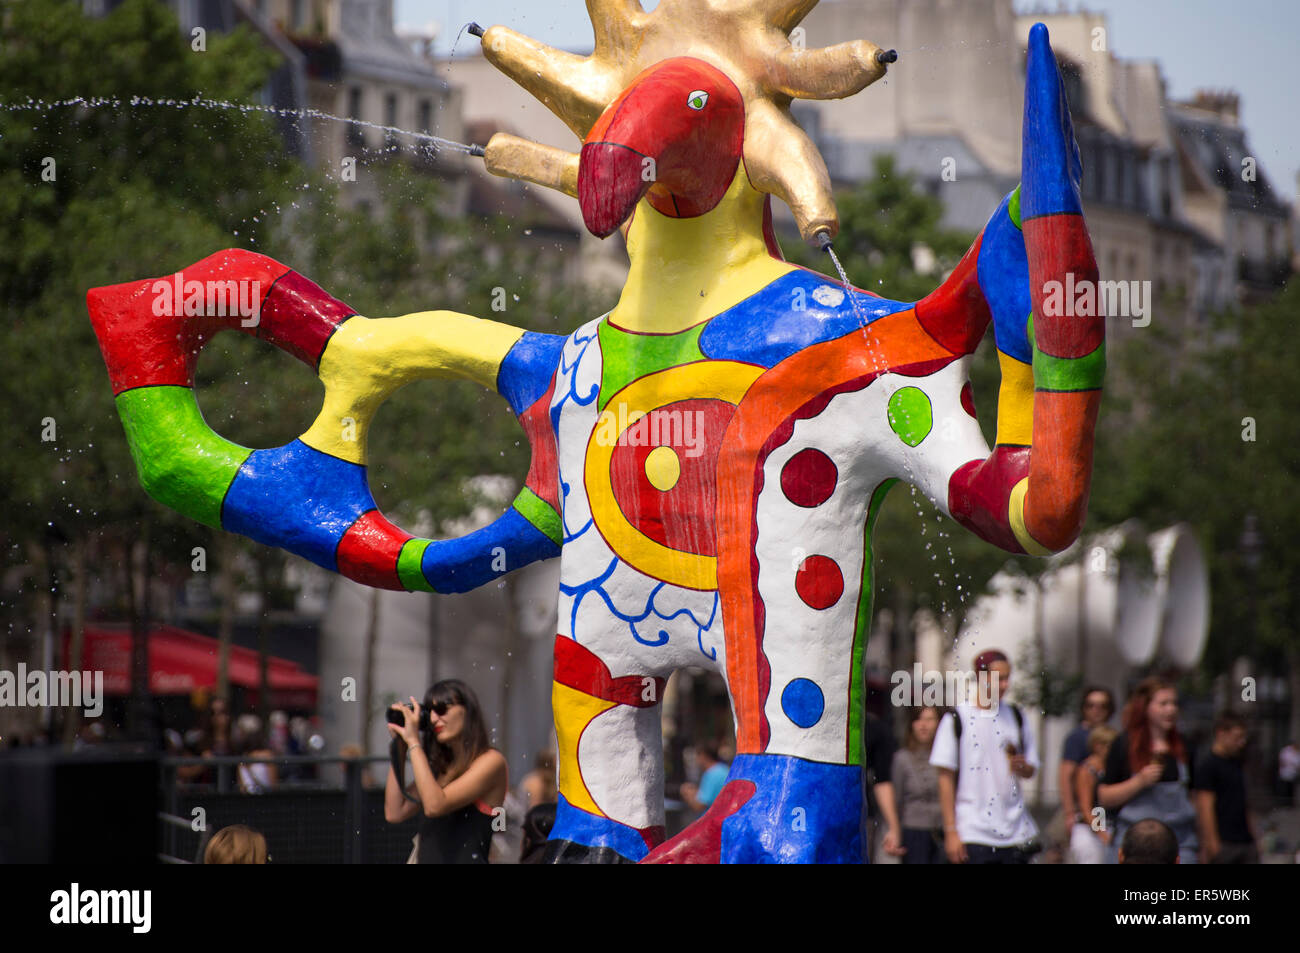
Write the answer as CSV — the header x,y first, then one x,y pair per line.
x,y
1147,771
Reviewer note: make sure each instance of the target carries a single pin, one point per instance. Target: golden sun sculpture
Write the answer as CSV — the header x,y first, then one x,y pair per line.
x,y
749,40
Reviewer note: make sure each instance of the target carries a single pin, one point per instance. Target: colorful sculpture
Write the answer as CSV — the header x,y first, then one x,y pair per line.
x,y
709,457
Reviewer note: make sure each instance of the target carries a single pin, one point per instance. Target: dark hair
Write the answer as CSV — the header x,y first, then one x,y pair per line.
x,y
1149,841
986,658
473,740
1139,728
537,829
1227,721
913,715
1093,690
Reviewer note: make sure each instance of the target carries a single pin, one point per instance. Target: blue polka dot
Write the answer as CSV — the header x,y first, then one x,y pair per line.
x,y
803,702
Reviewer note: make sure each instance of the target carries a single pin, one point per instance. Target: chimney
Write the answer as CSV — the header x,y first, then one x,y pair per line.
x,y
1224,104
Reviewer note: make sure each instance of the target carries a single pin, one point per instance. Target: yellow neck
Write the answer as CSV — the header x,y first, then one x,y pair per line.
x,y
686,270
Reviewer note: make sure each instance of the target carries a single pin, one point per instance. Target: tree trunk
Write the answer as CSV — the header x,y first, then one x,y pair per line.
x,y
1293,683
368,671
137,563
228,594
77,641
266,582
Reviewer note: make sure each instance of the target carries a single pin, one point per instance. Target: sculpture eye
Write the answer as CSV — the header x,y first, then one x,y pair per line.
x,y
698,99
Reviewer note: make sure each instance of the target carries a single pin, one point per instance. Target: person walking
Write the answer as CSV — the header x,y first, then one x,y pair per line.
x,y
916,791
983,751
1219,788
1096,708
1091,835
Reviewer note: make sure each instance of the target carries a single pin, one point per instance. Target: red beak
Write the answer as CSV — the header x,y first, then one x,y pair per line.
x,y
678,126
610,183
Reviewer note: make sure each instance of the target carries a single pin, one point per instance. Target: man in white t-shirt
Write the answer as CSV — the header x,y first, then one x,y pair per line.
x,y
985,818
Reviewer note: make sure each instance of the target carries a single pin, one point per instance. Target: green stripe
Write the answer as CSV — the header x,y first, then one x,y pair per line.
x,y
409,561
626,356
862,628
1013,207
540,513
1066,374
181,461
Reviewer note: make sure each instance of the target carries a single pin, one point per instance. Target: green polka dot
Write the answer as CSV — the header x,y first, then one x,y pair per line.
x,y
910,415
1013,207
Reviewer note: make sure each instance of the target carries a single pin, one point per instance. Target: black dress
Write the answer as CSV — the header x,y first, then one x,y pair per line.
x,y
461,837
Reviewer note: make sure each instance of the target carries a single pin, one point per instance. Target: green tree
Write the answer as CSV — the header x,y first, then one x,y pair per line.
x,y
135,179
1208,436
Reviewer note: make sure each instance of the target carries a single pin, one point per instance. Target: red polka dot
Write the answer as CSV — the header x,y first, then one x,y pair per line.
x,y
808,478
968,398
819,582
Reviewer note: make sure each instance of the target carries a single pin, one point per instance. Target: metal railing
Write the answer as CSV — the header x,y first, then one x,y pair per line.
x,y
322,810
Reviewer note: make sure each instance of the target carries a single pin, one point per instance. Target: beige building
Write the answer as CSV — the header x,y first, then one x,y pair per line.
x,y
1162,188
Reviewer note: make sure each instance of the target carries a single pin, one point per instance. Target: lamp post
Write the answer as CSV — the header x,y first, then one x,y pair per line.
x,y
1250,548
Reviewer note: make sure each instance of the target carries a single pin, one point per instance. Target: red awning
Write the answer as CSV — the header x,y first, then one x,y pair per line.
x,y
182,661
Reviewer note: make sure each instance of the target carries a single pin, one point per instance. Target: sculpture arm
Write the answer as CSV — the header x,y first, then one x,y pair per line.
x,y
311,496
1033,275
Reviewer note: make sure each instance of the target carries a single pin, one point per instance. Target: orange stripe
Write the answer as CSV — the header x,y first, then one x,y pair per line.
x,y
1060,466
771,400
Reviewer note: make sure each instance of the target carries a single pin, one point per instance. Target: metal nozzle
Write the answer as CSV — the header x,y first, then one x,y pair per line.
x,y
823,239
475,29
884,57
476,150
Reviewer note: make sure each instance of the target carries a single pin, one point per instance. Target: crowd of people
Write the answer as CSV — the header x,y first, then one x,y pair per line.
x,y
1131,789
952,793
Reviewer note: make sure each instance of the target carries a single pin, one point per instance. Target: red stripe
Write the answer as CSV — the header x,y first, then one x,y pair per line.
x,y
299,317
956,315
1060,250
580,668
368,551
144,349
979,491
544,468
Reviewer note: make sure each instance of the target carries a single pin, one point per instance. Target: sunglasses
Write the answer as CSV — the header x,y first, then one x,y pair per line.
x,y
440,708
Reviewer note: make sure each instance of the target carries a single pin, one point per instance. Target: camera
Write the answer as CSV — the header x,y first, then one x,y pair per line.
x,y
397,718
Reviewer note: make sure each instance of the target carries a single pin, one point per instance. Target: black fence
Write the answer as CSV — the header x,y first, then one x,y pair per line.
x,y
322,810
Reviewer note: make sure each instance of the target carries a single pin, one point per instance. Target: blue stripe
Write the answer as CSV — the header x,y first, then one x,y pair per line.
x,y
802,812
465,563
1003,272
1050,166
784,318
526,370
297,498
581,827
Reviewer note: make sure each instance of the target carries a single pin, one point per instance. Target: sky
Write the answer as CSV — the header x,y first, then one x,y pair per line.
x,y
1250,46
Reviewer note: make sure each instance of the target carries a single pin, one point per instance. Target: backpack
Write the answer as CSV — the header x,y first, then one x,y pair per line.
x,y
956,724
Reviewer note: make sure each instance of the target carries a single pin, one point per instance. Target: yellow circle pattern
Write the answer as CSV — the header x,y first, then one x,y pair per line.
x,y
662,468
699,380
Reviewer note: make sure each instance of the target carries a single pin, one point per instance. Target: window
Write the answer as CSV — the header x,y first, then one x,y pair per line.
x,y
354,135
297,14
390,119
425,122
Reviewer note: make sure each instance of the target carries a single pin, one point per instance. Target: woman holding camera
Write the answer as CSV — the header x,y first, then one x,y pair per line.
x,y
460,780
